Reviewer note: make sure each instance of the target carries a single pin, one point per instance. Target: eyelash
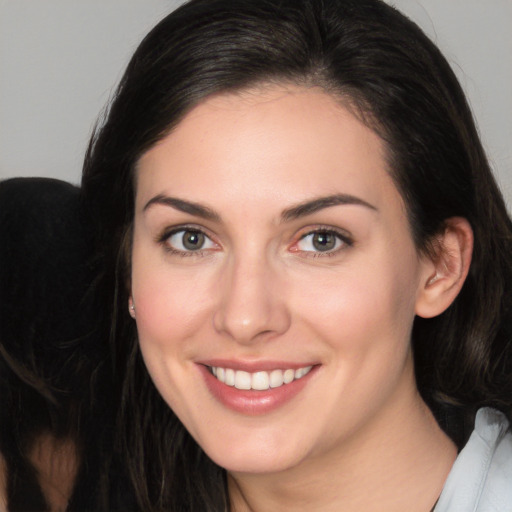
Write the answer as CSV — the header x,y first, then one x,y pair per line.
x,y
163,239
344,240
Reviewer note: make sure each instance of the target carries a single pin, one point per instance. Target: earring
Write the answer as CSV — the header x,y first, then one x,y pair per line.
x,y
131,309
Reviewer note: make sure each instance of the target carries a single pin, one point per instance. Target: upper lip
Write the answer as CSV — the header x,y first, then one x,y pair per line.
x,y
255,366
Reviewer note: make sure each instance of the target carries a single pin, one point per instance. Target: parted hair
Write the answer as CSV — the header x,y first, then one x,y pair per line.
x,y
381,66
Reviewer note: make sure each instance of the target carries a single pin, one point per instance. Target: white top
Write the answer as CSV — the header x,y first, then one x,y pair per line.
x,y
481,477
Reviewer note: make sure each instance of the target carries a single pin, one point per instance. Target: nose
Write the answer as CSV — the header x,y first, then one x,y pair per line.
x,y
252,306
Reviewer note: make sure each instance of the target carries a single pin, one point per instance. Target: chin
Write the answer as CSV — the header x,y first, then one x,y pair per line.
x,y
257,457
256,464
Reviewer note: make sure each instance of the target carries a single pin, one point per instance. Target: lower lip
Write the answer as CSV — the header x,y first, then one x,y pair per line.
x,y
253,402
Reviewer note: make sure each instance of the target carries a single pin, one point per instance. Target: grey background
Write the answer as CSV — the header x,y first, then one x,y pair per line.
x,y
60,61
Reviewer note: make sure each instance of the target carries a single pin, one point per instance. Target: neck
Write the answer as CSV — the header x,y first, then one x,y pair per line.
x,y
400,462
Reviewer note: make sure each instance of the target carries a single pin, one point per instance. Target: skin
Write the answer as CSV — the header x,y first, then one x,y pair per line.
x,y
357,436
55,461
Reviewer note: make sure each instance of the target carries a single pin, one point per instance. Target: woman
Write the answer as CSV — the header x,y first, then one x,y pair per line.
x,y
306,266
52,359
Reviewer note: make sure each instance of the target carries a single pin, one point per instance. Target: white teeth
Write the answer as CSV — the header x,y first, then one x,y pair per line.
x,y
242,380
258,380
288,376
276,378
302,371
230,377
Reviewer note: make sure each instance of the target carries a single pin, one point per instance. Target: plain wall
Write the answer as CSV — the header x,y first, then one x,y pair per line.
x,y
60,60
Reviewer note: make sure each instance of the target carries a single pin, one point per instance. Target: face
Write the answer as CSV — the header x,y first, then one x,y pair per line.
x,y
275,279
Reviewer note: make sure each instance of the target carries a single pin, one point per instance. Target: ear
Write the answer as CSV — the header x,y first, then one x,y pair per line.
x,y
445,270
131,307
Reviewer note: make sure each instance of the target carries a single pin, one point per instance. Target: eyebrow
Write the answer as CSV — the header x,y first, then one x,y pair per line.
x,y
293,213
195,209
315,205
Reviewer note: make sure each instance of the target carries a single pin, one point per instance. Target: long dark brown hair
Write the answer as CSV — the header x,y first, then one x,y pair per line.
x,y
378,62
53,359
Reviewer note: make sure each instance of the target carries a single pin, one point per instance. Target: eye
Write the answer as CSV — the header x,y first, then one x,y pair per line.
x,y
322,241
188,241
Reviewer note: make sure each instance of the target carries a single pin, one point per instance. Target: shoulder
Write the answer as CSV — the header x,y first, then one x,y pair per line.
x,y
497,437
481,477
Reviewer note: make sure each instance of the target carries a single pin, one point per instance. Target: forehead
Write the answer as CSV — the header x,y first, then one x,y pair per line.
x,y
272,143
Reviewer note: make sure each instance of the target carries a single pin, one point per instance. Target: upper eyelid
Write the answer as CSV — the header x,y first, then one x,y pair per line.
x,y
163,237
346,239
342,233
168,231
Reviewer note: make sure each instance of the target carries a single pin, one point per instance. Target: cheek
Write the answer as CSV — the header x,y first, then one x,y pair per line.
x,y
364,305
169,309
170,304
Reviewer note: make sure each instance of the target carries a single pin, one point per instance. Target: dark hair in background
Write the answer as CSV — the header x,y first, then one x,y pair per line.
x,y
380,65
53,361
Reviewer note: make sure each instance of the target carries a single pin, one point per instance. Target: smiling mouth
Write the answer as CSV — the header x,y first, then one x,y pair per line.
x,y
259,381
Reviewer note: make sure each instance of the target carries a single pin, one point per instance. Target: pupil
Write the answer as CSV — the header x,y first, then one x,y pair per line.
x,y
193,240
324,241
